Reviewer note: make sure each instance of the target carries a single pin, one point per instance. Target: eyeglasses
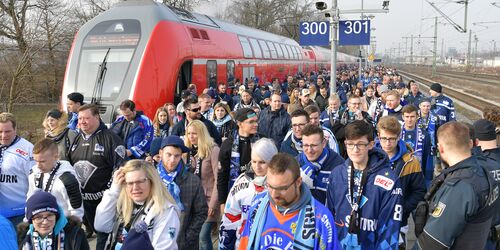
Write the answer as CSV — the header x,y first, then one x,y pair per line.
x,y
195,109
299,125
311,145
360,146
139,182
388,139
282,188
48,218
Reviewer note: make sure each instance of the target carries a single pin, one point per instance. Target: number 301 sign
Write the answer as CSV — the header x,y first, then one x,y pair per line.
x,y
354,32
314,33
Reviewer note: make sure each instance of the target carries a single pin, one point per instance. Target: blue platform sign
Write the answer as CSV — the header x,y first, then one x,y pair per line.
x,y
314,33
354,32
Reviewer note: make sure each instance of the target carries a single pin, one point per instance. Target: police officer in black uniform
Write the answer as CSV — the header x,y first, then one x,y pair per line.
x,y
486,147
461,210
94,153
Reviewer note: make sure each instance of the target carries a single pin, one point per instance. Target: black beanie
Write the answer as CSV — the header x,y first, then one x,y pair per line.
x,y
437,87
54,113
41,202
484,130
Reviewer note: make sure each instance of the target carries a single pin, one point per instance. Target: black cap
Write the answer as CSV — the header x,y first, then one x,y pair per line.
x,y
243,114
54,113
76,97
437,87
400,85
174,141
484,130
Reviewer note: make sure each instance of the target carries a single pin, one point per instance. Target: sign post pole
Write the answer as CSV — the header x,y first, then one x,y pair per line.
x,y
333,67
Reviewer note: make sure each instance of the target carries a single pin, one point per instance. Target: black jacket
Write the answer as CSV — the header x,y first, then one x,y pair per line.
x,y
74,237
179,129
195,209
274,124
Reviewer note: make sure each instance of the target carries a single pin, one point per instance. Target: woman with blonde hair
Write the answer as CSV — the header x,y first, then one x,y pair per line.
x,y
204,161
55,126
138,211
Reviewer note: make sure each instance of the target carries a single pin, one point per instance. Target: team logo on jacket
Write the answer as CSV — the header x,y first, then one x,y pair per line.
x,y
383,182
171,232
98,148
84,171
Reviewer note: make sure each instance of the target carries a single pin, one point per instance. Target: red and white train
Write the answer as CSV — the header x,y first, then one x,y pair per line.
x,y
155,51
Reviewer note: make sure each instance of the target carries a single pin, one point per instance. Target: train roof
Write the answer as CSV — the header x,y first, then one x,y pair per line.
x,y
154,12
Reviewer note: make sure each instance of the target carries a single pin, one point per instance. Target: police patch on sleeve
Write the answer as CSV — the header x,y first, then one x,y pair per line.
x,y
438,211
121,151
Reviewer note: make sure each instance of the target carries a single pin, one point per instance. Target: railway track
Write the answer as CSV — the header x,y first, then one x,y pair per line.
x,y
472,100
474,75
479,78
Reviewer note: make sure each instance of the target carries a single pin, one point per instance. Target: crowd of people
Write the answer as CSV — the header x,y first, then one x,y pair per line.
x,y
280,165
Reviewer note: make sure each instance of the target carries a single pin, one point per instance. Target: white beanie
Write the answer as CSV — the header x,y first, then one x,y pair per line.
x,y
265,149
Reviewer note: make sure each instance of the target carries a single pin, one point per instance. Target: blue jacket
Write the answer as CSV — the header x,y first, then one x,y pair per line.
x,y
381,208
291,145
274,124
410,176
139,135
444,109
415,100
328,160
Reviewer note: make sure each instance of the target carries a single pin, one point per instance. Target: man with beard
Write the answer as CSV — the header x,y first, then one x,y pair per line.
x,y
192,112
287,216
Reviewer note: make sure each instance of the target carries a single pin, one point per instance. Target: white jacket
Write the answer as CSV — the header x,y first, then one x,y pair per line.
x,y
64,199
15,166
163,234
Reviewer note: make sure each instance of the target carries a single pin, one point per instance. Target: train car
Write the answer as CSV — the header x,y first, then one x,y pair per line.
x,y
153,51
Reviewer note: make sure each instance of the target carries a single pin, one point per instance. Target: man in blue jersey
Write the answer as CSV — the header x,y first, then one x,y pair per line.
x,y
287,216
363,194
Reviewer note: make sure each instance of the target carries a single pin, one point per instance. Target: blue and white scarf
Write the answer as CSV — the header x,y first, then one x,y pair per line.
x,y
306,213
311,169
418,149
234,169
168,180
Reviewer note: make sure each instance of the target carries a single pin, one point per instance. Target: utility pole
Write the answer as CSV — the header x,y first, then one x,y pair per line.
x,y
406,46
467,67
334,20
435,47
475,52
399,52
494,48
442,49
411,51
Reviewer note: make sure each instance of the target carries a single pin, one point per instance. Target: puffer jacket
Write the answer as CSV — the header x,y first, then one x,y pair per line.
x,y
274,124
137,136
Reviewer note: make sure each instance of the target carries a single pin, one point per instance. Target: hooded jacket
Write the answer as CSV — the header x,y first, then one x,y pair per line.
x,y
74,237
65,187
274,124
407,169
381,210
137,134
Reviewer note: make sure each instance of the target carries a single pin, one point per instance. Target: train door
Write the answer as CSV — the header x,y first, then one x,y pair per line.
x,y
248,72
183,80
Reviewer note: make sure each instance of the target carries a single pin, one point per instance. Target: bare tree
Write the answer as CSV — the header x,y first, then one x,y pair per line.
x,y
84,10
183,4
277,16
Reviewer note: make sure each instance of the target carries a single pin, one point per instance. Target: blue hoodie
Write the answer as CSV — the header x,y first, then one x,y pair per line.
x,y
409,173
381,210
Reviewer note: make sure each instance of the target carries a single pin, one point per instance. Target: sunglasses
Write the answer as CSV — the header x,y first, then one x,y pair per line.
x,y
194,110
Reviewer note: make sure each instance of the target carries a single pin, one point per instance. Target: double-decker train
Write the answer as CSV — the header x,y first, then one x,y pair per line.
x,y
152,52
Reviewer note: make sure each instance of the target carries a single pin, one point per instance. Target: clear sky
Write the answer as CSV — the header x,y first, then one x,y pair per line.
x,y
405,19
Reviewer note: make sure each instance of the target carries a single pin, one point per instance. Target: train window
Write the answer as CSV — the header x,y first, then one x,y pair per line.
x,y
245,45
285,52
278,49
230,66
120,37
265,49
274,55
212,73
256,48
290,52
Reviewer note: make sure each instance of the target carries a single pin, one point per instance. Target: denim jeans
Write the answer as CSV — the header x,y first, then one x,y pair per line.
x,y
206,235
